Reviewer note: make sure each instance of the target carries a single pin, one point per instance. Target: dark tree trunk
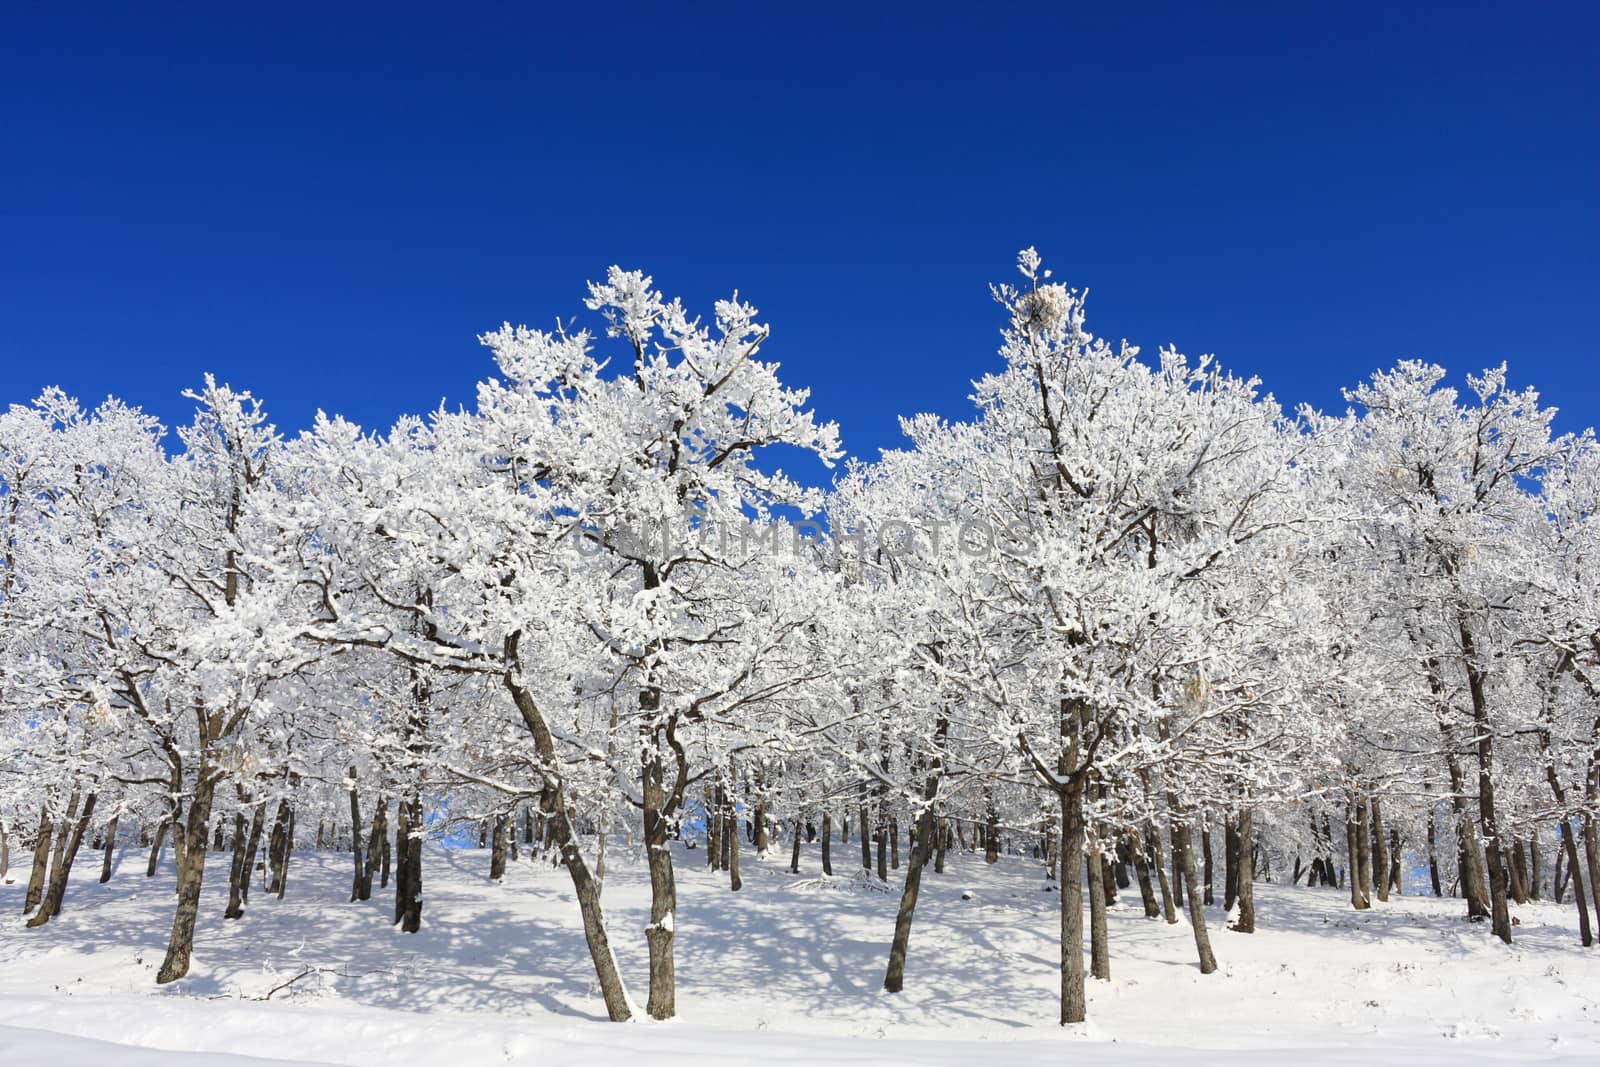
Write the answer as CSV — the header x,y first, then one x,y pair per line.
x,y
238,873
155,848
1519,872
256,822
726,824
1558,885
713,810
1184,852
1493,843
1228,866
991,835
68,840
357,862
1591,855
894,978
377,845
1099,944
1246,874
1433,856
827,853
1356,843
41,862
758,819
922,844
1361,868
1230,877
278,846
794,850
660,801
1380,853
1074,996
191,870
1141,868
735,883
388,851
497,855
553,800
1158,863
408,858
111,844
1585,933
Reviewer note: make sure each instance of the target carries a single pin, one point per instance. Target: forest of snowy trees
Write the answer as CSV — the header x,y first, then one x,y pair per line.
x,y
1130,619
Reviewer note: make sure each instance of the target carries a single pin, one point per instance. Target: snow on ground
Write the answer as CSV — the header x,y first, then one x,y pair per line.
x,y
786,971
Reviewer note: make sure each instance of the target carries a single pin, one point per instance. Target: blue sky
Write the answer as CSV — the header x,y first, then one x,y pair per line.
x,y
326,206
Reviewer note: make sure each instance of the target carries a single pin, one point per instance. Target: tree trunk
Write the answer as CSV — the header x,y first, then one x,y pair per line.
x,y
497,855
1517,868
735,883
68,840
1099,946
377,842
922,844
1494,846
408,858
1355,844
1246,922
191,870
794,850
1433,857
111,844
662,929
278,846
713,810
41,862
1184,851
1585,933
155,848
1361,861
251,848
827,854
1074,997
357,862
1158,863
238,873
1228,866
1141,869
1380,853
991,835
1591,854
894,977
763,840
1558,886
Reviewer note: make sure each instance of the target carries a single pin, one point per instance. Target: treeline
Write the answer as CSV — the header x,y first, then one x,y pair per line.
x,y
1131,618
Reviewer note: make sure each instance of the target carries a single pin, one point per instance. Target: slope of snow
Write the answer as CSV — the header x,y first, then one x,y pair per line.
x,y
786,970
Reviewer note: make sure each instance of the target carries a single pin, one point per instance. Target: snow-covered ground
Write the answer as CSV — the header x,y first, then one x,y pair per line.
x,y
786,971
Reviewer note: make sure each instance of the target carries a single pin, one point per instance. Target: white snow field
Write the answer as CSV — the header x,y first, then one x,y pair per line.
x,y
785,971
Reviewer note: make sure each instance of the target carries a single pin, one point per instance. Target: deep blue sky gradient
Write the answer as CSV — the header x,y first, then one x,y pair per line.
x,y
326,204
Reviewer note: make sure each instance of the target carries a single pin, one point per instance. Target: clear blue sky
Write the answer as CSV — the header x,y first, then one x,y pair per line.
x,y
327,204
